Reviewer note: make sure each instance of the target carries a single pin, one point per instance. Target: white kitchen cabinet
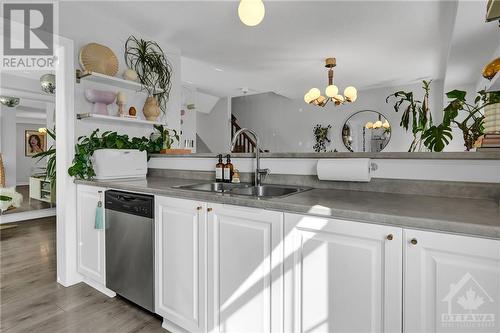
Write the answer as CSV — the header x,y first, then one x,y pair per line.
x,y
244,269
341,276
180,234
452,283
91,246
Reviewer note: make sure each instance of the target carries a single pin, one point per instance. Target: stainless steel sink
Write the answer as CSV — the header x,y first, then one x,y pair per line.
x,y
214,187
267,191
264,191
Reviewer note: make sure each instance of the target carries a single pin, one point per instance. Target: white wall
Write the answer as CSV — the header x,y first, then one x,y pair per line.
x,y
8,143
286,125
25,165
78,29
463,170
215,128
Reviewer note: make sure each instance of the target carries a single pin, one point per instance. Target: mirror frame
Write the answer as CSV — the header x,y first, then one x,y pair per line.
x,y
352,115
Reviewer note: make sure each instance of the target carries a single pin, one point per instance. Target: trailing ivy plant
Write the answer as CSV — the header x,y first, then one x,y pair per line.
x,y
416,113
50,169
321,135
82,167
471,124
148,60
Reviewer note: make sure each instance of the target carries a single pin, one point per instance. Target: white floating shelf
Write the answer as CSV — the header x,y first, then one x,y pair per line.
x,y
111,81
494,84
116,120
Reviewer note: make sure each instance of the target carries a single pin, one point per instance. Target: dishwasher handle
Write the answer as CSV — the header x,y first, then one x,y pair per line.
x,y
130,203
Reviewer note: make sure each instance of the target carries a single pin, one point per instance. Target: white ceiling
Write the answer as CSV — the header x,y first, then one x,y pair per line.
x,y
376,43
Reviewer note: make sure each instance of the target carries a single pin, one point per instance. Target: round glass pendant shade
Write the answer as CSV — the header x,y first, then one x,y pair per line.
x,y
332,90
251,12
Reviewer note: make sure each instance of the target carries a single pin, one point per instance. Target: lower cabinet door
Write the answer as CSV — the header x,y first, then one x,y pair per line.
x,y
452,283
244,269
341,276
91,250
180,262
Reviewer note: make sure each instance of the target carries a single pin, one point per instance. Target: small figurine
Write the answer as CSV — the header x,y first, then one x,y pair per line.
x,y
132,111
120,101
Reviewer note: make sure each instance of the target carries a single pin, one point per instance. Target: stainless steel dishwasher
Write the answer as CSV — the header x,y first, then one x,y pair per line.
x,y
130,246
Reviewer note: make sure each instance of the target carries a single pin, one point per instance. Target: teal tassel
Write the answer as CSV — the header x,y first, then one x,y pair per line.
x,y
99,216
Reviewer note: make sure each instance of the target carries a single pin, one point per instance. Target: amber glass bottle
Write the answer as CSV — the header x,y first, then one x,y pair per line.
x,y
228,170
219,170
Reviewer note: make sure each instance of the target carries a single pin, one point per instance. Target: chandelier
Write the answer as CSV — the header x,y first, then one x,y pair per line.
x,y
314,96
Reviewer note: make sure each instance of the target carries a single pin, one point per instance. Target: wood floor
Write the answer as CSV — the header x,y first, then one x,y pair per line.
x,y
32,301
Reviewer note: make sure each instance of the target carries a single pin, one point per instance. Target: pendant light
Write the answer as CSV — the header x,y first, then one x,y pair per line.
x,y
314,96
251,12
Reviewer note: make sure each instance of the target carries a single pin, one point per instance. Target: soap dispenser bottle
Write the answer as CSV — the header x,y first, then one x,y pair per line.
x,y
219,170
228,170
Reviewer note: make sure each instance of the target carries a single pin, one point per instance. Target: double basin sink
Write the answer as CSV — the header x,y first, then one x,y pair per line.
x,y
263,191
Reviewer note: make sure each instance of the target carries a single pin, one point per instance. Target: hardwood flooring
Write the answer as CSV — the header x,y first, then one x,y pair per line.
x,y
32,301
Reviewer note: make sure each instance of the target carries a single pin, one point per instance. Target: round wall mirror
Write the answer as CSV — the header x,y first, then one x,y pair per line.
x,y
366,131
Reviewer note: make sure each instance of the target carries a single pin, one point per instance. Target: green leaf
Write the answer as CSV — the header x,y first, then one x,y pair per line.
x,y
456,94
437,137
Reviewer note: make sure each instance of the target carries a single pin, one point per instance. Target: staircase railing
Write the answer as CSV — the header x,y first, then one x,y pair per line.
x,y
244,143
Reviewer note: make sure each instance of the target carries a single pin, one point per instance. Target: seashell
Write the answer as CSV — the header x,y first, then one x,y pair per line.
x,y
98,58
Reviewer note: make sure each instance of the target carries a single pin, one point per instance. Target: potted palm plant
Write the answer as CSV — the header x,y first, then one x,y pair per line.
x,y
154,71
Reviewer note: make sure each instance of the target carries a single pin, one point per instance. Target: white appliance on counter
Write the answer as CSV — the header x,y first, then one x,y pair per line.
x,y
120,163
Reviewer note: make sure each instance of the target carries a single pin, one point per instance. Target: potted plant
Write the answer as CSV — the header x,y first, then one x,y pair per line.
x,y
165,139
321,136
416,114
154,71
50,170
83,168
471,123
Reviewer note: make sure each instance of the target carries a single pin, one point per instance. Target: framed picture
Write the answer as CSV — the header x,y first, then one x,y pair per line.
x,y
34,142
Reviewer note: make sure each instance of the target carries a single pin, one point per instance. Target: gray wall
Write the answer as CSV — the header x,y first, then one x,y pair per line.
x,y
214,128
286,125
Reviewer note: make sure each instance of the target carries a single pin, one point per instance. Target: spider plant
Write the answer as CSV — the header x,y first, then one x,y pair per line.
x,y
416,114
153,69
50,154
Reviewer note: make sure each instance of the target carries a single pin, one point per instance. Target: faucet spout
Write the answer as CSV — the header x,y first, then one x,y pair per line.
x,y
258,171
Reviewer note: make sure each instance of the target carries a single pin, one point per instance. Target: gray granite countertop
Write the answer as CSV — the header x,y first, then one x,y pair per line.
x,y
454,215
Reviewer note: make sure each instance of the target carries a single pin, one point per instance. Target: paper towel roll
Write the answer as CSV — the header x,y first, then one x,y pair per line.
x,y
345,169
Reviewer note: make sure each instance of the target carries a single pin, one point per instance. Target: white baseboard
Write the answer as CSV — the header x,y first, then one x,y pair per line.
x,y
99,287
171,327
30,215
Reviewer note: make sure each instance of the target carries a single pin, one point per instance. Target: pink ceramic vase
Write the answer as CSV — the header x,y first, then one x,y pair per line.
x,y
101,100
